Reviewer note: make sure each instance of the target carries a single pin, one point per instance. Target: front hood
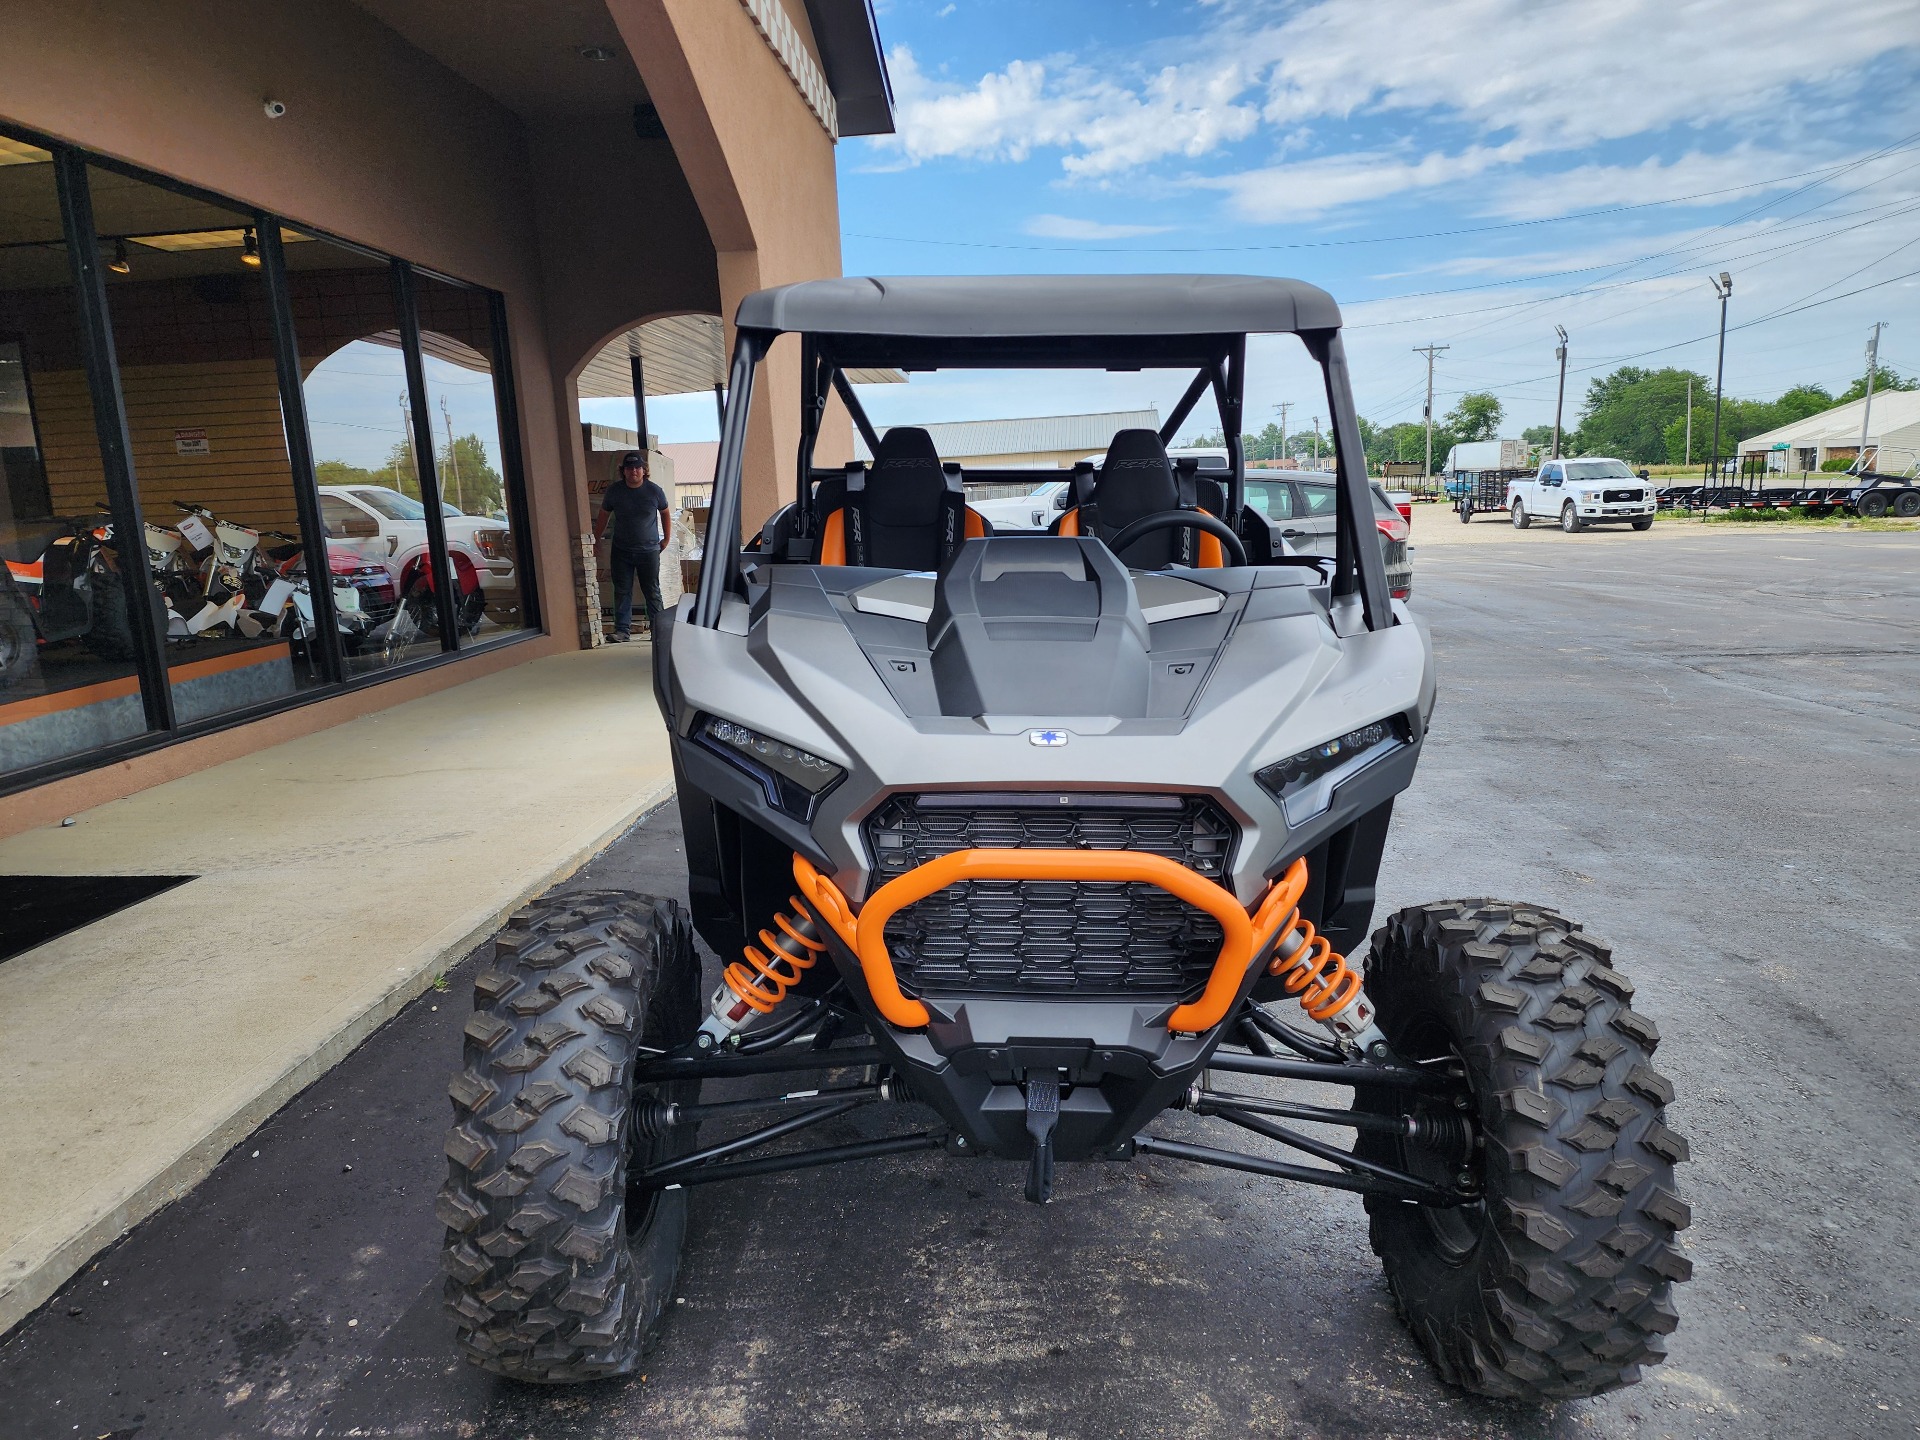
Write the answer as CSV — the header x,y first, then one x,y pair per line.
x,y
1044,665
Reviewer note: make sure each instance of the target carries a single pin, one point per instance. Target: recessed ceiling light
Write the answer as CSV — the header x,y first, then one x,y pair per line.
x,y
596,52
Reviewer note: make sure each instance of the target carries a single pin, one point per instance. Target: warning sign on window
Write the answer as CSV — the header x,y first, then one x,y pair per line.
x,y
191,442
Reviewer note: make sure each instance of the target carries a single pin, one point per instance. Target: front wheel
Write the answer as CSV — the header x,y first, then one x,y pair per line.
x,y
1558,1282
1518,512
1570,520
19,639
1646,524
559,1266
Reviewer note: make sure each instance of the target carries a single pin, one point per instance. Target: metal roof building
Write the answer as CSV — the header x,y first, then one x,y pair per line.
x,y
1034,440
1893,430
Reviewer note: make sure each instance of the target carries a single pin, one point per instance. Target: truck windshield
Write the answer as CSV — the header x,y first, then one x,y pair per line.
x,y
1597,470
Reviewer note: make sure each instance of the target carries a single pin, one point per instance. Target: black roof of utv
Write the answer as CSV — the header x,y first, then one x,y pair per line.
x,y
1014,306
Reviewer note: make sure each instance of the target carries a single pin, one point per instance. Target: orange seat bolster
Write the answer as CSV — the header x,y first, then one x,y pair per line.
x,y
833,539
976,524
1070,522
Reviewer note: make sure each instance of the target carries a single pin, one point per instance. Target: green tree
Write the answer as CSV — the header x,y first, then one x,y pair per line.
x,y
339,472
1885,377
1627,414
470,482
1538,435
1476,417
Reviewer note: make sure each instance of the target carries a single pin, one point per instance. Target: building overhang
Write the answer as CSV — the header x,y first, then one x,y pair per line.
x,y
856,64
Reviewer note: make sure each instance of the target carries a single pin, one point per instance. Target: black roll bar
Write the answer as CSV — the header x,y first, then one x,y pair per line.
x,y
1358,566
723,521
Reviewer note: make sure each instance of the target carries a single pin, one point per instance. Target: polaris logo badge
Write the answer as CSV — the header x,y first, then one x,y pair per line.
x,y
1046,737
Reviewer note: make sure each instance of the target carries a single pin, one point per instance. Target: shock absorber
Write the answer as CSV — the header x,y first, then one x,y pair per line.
x,y
769,971
1326,987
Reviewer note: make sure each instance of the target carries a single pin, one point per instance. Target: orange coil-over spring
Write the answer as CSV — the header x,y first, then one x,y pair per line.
x,y
768,974
1311,971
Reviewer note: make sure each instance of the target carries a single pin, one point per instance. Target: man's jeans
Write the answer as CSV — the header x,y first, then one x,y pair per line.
x,y
627,566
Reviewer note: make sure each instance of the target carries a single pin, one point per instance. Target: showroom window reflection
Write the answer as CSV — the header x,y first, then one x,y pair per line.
x,y
246,492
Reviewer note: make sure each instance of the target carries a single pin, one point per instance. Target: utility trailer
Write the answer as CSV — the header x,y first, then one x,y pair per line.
x,y
1476,491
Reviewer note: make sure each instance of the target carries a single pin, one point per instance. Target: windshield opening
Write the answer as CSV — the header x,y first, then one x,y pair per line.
x,y
1598,470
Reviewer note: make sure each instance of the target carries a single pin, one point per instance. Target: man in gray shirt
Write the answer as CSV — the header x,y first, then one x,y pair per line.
x,y
642,523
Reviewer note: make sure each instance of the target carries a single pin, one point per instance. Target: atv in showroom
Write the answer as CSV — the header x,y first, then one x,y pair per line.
x,y
1032,838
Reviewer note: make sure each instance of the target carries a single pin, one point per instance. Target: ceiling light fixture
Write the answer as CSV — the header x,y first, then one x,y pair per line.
x,y
119,264
596,52
250,249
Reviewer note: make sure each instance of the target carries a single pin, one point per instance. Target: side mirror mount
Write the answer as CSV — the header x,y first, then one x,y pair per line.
x,y
1061,497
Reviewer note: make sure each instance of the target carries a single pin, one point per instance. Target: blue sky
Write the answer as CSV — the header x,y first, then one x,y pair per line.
x,y
1461,172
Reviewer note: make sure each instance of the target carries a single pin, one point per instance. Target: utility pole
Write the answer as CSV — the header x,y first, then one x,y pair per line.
x,y
1430,351
1689,459
1560,354
453,460
1283,407
1866,410
1316,442
1723,287
406,422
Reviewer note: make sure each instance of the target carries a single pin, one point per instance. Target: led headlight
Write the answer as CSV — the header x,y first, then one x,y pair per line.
x,y
792,780
1304,783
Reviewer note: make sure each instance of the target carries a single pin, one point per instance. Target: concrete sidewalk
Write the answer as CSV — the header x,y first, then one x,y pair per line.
x,y
338,875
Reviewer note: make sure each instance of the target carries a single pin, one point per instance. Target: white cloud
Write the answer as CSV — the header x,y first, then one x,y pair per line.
x,y
1032,105
1304,189
1066,227
944,11
1517,79
1565,75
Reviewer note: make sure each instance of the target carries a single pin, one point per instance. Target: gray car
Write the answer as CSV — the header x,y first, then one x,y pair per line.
x,y
1300,504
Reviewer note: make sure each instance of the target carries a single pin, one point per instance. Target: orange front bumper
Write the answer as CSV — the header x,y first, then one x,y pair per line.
x,y
1244,936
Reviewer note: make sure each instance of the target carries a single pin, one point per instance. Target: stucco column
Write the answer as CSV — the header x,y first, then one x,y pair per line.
x,y
760,166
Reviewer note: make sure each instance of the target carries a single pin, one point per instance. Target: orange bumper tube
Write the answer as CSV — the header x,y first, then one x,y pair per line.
x,y
1243,937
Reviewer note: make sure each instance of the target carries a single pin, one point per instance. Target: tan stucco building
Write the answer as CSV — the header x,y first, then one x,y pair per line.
x,y
272,270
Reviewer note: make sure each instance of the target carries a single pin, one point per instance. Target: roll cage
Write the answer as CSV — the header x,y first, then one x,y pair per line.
x,y
1118,323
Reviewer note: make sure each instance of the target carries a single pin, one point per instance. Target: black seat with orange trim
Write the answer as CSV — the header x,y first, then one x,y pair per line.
x,y
905,512
1134,481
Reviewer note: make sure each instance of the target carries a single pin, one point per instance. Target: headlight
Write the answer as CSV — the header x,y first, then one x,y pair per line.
x,y
1304,783
494,544
792,780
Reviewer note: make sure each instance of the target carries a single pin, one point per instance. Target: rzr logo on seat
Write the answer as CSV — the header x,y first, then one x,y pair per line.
x,y
1046,737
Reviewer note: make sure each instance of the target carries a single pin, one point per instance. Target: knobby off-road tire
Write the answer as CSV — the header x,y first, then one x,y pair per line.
x,y
19,640
557,1272
1559,1284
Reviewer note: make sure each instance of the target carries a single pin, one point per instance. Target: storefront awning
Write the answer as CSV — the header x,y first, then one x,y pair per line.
x,y
680,355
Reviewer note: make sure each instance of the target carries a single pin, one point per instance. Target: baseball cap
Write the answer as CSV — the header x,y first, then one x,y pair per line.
x,y
633,457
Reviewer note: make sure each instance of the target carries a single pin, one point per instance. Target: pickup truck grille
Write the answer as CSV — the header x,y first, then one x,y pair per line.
x,y
1622,497
1026,937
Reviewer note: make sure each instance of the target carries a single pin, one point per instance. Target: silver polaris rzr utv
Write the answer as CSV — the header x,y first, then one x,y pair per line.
x,y
1034,837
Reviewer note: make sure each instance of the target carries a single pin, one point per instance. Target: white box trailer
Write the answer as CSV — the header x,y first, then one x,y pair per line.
x,y
1476,455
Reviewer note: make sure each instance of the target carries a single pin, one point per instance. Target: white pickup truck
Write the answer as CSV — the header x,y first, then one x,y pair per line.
x,y
1579,493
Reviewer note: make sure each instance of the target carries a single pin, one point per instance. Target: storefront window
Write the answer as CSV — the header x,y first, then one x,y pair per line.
x,y
193,329
456,353
217,454
67,677
360,414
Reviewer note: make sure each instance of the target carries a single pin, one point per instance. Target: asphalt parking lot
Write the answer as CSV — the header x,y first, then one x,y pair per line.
x,y
1704,743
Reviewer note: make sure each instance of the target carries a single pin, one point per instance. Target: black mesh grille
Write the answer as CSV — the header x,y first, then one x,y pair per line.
x,y
1052,936
1619,497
